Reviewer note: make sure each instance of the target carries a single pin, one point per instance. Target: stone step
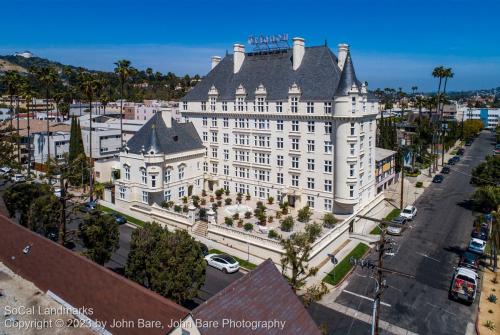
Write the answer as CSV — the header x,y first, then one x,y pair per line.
x,y
201,228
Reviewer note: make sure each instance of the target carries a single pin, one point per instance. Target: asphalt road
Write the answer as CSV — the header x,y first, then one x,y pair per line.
x,y
429,250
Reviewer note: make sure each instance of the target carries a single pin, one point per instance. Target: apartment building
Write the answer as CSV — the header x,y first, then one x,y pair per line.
x,y
294,124
489,116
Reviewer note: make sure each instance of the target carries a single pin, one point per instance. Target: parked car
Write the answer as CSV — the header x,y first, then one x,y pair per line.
x,y
456,159
468,143
18,178
481,234
223,262
451,161
4,171
438,178
461,151
88,207
204,249
477,246
464,285
446,170
120,219
57,192
409,212
469,260
396,230
52,234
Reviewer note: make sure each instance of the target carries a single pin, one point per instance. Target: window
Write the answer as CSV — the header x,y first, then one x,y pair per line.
x,y
295,125
328,147
185,105
168,175
166,195
327,107
153,181
294,104
145,197
214,136
295,162
214,122
205,136
260,104
205,121
295,180
310,145
226,170
328,166
181,191
295,144
226,154
205,167
310,126
351,191
310,201
214,152
328,127
353,128
226,185
351,170
240,104
310,164
328,205
279,160
352,149
279,124
181,172
212,103
225,138
328,186
215,167
279,178
224,106
310,107
279,142
203,105
310,183
144,176
127,172
279,107
122,192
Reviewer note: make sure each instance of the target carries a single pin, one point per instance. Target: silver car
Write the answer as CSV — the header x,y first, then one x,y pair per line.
x,y
396,230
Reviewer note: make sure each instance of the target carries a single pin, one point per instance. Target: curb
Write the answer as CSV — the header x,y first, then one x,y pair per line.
x,y
352,269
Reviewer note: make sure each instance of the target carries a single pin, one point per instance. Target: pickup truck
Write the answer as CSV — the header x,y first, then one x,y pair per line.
x,y
464,285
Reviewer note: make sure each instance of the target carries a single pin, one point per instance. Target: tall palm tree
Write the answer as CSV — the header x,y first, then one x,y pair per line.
x,y
124,71
47,76
447,73
438,72
57,97
414,89
10,80
28,94
90,87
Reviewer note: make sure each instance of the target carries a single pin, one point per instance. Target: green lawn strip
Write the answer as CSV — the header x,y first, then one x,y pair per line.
x,y
393,214
243,263
376,230
344,266
129,218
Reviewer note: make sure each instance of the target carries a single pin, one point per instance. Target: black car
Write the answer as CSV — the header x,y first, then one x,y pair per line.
x,y
88,207
461,152
120,219
438,178
456,159
469,260
481,234
446,170
451,161
468,143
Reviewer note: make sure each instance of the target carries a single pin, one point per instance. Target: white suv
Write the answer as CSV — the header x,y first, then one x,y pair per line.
x,y
409,212
223,262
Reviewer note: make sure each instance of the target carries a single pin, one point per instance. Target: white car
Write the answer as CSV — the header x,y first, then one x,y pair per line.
x,y
18,178
409,212
477,246
5,171
223,262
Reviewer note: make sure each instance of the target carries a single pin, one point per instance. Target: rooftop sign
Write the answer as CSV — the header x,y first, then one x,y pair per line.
x,y
268,42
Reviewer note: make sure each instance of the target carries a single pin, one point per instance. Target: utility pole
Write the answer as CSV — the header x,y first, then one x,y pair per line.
x,y
383,246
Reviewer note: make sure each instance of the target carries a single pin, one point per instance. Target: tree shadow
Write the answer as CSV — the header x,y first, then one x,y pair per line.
x,y
466,204
455,249
119,270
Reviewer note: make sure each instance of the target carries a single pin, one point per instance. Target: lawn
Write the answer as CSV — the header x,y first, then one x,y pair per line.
x,y
130,219
393,214
376,230
343,267
243,263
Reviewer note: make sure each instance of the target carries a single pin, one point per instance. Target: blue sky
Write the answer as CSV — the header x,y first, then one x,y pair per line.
x,y
393,43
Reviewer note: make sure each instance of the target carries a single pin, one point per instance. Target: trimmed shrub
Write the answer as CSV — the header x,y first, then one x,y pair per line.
x,y
228,201
236,216
270,200
177,208
272,234
304,214
329,221
248,226
419,184
287,224
228,221
248,215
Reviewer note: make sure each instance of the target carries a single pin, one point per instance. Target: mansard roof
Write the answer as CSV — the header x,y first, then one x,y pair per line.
x,y
348,78
156,136
317,77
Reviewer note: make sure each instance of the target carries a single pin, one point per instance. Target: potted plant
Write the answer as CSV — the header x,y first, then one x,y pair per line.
x,y
228,201
248,215
228,221
272,234
240,223
270,200
203,202
287,224
248,226
248,197
329,220
270,219
203,193
304,214
226,192
236,216
177,208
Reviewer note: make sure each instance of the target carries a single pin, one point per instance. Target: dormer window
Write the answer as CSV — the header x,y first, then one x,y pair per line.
x,y
294,104
213,101
203,105
240,103
260,104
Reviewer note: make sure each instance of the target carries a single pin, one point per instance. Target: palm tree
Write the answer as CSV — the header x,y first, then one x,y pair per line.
x,y
124,71
495,236
10,80
414,89
438,72
91,87
58,98
28,94
447,73
48,77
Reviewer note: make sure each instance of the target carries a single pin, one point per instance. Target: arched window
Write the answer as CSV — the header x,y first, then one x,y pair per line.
x,y
181,172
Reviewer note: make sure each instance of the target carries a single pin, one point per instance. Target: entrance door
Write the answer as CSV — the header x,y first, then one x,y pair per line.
x,y
210,185
291,201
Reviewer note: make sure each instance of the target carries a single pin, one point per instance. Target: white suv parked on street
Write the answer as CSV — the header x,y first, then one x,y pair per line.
x,y
409,212
223,262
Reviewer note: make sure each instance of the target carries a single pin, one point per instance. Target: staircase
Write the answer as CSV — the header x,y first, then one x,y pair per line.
x,y
200,228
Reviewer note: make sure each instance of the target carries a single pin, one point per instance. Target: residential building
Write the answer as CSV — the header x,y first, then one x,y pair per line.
x,y
385,168
489,116
294,124
163,161
4,114
145,110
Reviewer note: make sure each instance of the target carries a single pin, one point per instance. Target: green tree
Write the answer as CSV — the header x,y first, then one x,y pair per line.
x,y
487,173
124,70
169,263
7,146
100,235
304,214
76,155
19,197
44,214
487,198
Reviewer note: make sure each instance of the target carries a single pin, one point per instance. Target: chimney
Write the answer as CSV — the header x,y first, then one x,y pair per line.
x,y
298,51
239,57
166,115
343,50
215,61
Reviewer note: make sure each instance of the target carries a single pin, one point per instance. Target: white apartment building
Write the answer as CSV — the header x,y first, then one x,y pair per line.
x,y
162,161
59,146
293,124
489,116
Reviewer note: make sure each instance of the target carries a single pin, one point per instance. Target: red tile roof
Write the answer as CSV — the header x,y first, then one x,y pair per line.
x,y
261,295
82,283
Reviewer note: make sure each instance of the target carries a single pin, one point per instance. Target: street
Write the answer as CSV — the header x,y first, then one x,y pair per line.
x,y
429,250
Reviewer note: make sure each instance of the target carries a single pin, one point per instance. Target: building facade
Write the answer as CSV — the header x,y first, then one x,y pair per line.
x,y
489,116
385,168
293,124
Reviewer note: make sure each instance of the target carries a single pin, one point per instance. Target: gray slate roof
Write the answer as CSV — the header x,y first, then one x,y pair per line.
x,y
262,294
318,76
347,78
155,135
